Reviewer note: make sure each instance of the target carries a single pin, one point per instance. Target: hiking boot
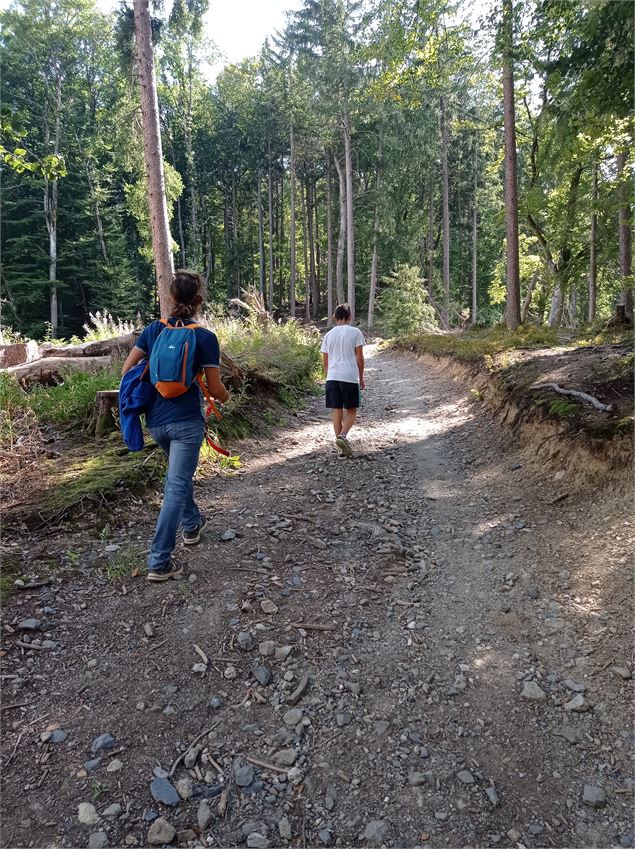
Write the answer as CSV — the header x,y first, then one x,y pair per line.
x,y
344,446
172,570
192,537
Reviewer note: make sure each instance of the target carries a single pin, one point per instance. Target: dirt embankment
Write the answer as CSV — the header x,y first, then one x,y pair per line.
x,y
540,395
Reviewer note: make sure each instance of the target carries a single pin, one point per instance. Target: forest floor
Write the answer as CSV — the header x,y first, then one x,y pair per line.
x,y
427,644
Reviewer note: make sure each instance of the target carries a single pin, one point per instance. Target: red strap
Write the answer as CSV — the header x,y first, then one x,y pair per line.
x,y
211,406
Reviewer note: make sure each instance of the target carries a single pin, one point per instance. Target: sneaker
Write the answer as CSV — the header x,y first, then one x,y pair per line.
x,y
344,446
172,570
192,537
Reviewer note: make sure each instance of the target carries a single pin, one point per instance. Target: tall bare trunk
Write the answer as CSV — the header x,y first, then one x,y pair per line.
x,y
373,264
261,243
445,309
329,246
51,196
557,304
292,223
511,180
312,263
305,249
280,232
431,240
179,221
593,237
341,239
318,266
625,223
235,251
350,231
270,206
153,156
474,232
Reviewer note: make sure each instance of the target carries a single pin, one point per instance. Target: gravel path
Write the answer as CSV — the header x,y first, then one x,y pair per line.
x,y
428,644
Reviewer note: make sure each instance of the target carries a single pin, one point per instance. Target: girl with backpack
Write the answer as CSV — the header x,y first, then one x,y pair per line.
x,y
178,351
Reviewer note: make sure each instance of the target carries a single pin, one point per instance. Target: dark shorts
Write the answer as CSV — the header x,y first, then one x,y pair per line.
x,y
341,395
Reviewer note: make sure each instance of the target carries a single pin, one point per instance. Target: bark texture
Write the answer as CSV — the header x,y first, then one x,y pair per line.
x,y
512,312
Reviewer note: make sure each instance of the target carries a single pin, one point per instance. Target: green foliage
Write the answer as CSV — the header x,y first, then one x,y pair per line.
x,y
563,409
403,303
479,343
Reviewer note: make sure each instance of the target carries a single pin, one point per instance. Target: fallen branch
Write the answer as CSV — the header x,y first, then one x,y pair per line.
x,y
574,393
264,764
312,626
191,746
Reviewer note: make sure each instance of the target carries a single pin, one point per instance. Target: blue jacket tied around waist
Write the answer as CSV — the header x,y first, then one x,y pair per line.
x,y
136,396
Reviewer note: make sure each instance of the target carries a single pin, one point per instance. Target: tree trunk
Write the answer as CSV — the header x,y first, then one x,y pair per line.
x,y
445,310
270,208
350,232
373,264
573,305
51,195
593,262
161,239
511,180
179,218
431,240
474,233
557,304
341,239
530,290
329,246
261,243
281,244
626,259
312,277
318,266
235,253
292,224
307,289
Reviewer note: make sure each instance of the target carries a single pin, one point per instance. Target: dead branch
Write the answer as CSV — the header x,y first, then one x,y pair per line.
x,y
605,408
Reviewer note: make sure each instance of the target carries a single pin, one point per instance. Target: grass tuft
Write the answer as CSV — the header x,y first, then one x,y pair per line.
x,y
479,343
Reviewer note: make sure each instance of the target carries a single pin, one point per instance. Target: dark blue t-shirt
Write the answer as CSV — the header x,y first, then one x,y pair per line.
x,y
189,405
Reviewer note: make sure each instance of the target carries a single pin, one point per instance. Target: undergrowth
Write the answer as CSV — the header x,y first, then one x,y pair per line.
x,y
479,342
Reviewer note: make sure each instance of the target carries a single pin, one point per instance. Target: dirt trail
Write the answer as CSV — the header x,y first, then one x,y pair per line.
x,y
451,574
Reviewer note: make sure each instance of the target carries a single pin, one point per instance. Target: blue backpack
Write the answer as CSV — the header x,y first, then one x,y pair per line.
x,y
173,358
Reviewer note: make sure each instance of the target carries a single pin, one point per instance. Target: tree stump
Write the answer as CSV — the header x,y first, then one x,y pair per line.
x,y
103,420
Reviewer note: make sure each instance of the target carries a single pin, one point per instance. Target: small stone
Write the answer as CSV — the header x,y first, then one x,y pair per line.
x,y
325,836
375,832
381,727
243,773
465,777
626,840
535,828
262,675
343,718
594,796
267,606
230,533
293,717
112,812
89,766
230,672
267,648
257,841
214,703
30,625
286,757
199,668
204,815
460,684
299,691
532,691
161,832
492,795
621,672
514,835
98,840
284,828
184,787
578,704
57,736
442,816
245,641
416,779
87,814
189,761
574,686
163,791
103,743
114,766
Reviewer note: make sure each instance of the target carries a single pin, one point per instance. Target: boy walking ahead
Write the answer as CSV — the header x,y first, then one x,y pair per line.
x,y
343,355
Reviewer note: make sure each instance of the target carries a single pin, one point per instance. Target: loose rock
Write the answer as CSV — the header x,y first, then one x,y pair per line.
x,y
163,791
87,814
594,796
532,691
161,832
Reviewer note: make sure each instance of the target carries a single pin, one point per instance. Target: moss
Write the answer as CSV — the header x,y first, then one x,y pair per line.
x,y
480,344
125,564
561,409
11,570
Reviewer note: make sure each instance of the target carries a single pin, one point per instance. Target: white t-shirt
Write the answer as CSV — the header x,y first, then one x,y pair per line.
x,y
340,343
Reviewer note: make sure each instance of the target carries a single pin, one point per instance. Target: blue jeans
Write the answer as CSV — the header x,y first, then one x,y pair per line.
x,y
181,442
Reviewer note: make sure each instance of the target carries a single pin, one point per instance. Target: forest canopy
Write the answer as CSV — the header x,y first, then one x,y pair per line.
x,y
367,136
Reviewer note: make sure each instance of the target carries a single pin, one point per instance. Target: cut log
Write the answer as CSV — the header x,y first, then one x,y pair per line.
x,y
50,370
103,420
116,345
13,355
